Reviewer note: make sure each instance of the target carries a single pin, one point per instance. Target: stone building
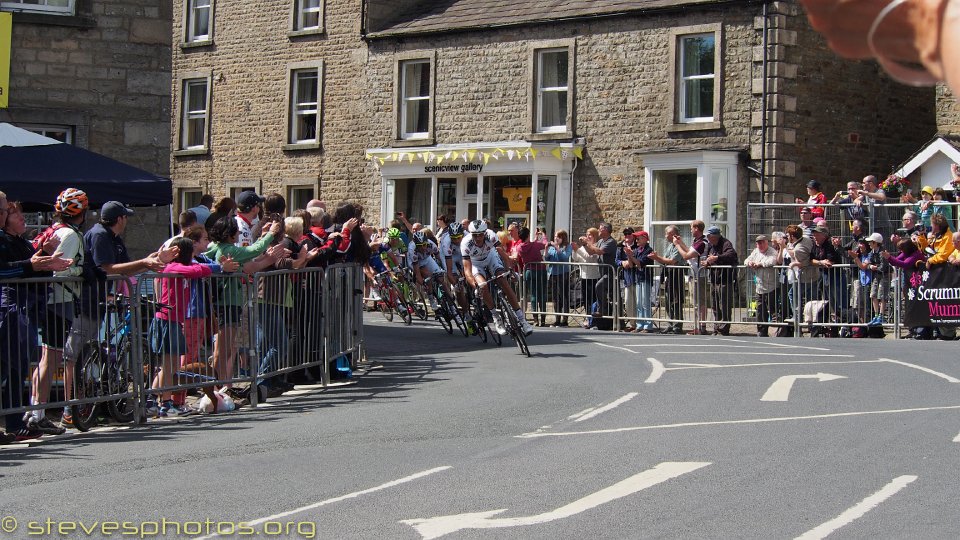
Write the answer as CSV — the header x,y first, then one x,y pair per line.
x,y
555,113
96,74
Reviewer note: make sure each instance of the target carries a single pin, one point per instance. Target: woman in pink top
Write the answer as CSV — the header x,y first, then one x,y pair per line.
x,y
166,330
529,259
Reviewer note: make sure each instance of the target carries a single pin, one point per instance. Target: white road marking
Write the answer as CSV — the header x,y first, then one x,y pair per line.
x,y
780,389
615,347
700,346
740,353
775,344
353,495
858,511
733,422
921,368
608,407
579,414
656,372
683,365
957,438
436,527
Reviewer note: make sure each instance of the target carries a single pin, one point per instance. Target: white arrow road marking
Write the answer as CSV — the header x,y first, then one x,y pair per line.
x,y
353,495
436,527
657,371
957,438
859,510
780,389
606,408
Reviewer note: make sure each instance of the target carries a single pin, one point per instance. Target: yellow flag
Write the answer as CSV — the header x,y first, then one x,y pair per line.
x,y
455,155
578,151
557,153
471,154
533,152
6,31
486,158
394,156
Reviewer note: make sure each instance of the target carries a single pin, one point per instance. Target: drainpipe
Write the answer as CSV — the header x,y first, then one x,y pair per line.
x,y
763,108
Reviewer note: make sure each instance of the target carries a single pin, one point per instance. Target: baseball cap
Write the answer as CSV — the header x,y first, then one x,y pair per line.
x,y
248,199
875,237
822,228
813,184
713,230
644,234
113,210
761,238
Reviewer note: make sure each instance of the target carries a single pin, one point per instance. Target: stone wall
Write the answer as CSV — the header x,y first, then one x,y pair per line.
x,y
105,72
248,125
837,120
948,112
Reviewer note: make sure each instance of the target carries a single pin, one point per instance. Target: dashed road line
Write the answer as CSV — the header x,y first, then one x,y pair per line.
x,y
608,407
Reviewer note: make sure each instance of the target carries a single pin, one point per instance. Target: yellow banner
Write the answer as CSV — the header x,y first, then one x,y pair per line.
x,y
6,29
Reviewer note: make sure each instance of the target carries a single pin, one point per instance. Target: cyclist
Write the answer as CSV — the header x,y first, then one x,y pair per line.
x,y
421,259
482,259
451,258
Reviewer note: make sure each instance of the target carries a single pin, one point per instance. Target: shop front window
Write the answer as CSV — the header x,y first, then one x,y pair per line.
x,y
447,198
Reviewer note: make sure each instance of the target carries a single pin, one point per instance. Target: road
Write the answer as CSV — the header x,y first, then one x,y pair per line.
x,y
598,435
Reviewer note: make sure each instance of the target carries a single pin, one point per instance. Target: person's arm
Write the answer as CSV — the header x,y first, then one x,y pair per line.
x,y
727,255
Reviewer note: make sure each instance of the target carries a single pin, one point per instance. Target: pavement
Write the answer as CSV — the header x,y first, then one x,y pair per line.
x,y
598,435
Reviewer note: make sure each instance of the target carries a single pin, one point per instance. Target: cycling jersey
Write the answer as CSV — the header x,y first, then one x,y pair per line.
x,y
449,250
424,257
376,258
479,252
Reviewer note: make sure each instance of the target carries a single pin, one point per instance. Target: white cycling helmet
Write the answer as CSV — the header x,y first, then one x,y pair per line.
x,y
477,226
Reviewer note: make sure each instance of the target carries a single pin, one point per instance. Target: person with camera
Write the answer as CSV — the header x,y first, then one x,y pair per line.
x,y
671,279
851,201
815,198
912,230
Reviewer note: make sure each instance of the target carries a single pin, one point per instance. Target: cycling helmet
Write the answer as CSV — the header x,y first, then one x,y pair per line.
x,y
419,238
393,233
477,226
456,230
71,202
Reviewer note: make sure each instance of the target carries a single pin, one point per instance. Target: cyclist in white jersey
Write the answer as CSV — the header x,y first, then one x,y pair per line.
x,y
451,258
482,259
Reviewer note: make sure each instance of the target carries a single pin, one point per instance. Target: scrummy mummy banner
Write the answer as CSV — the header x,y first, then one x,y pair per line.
x,y
932,296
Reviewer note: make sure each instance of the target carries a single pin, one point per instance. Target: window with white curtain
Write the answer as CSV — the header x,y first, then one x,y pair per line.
x,y
307,14
552,87
415,96
304,103
697,77
195,115
198,21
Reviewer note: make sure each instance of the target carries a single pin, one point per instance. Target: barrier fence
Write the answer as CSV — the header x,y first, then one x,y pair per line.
x,y
127,344
776,300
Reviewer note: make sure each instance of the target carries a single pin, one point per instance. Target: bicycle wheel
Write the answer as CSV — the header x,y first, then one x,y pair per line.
x,y
443,317
451,307
120,381
89,375
400,305
481,330
416,300
513,327
385,309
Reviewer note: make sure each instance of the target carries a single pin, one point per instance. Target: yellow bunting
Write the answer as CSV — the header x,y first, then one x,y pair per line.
x,y
471,154
533,152
455,155
556,153
578,151
394,156
486,158
410,157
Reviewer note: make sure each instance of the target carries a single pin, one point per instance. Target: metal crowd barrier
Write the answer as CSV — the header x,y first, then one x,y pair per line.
x,y
138,344
712,299
64,346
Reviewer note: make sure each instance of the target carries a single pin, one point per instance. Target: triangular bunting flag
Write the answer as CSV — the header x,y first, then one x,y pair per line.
x,y
486,158
556,153
578,151
471,154
455,156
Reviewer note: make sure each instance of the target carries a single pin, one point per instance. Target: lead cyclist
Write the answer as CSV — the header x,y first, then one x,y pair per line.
x,y
483,256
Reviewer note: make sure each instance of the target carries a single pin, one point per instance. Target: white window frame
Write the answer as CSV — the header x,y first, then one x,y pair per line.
x,y
190,18
682,80
182,199
542,91
293,187
187,82
49,129
300,108
299,14
405,100
40,7
706,163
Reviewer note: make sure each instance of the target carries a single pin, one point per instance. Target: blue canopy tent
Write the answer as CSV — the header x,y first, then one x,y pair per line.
x,y
35,169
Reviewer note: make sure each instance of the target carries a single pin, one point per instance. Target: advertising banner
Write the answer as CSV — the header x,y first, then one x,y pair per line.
x,y
6,29
932,296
